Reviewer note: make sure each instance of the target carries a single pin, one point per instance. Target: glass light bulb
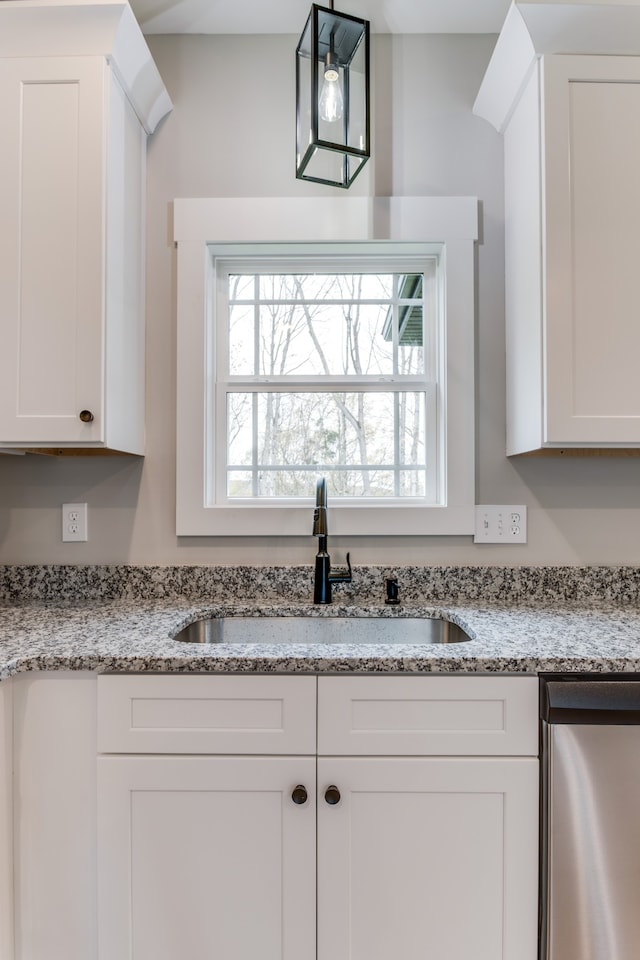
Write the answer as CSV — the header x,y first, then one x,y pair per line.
x,y
331,103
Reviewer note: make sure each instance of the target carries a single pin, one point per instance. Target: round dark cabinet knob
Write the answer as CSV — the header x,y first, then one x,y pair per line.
x,y
299,794
86,416
332,795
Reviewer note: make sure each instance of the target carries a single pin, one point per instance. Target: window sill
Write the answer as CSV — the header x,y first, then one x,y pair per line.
x,y
253,520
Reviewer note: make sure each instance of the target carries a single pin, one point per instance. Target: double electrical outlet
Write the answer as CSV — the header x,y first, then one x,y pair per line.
x,y
501,524
74,522
494,524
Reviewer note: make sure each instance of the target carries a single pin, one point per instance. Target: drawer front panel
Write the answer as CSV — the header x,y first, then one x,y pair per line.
x,y
203,714
422,716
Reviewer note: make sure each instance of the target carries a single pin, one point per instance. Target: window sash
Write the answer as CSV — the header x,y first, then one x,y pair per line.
x,y
219,466
433,307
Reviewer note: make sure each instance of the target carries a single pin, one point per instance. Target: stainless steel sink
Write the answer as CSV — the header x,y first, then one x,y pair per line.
x,y
350,630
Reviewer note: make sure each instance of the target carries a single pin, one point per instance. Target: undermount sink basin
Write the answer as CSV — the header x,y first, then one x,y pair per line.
x,y
351,630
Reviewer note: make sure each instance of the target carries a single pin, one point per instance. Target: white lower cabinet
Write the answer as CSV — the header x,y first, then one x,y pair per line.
x,y
6,821
397,856
206,857
428,857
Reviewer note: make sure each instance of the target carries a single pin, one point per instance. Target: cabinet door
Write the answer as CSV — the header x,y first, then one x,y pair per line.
x,y
205,857
51,229
428,858
591,144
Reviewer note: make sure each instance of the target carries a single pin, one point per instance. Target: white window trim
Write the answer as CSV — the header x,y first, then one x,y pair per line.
x,y
452,221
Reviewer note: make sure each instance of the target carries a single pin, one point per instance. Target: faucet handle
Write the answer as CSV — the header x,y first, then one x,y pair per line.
x,y
342,577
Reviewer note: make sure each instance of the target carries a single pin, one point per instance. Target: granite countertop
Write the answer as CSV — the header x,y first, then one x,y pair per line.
x,y
526,632
136,636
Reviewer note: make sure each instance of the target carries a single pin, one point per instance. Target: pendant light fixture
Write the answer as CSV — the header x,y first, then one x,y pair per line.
x,y
332,97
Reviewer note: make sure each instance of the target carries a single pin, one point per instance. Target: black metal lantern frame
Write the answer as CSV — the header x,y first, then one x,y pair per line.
x,y
333,140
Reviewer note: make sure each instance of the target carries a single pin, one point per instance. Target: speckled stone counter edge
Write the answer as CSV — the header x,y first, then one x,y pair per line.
x,y
435,584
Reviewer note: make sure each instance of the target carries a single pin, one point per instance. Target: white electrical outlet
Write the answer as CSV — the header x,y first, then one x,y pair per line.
x,y
74,522
501,524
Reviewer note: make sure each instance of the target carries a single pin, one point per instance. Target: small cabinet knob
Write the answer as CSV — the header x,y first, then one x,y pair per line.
x,y
299,794
332,795
86,416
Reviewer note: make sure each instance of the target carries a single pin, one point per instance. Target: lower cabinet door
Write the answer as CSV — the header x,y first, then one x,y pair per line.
x,y
206,857
427,858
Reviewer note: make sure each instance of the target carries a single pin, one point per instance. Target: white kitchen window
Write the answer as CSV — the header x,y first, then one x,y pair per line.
x,y
350,359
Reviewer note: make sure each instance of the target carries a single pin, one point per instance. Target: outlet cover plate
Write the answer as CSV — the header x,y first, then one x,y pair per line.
x,y
74,522
501,524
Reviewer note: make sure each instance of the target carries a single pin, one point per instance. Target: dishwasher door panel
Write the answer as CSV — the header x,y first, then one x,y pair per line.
x,y
593,854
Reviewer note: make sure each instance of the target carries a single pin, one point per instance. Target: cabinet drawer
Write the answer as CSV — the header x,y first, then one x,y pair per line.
x,y
203,714
422,716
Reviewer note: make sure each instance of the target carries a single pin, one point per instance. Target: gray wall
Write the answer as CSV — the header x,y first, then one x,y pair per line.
x,y
232,134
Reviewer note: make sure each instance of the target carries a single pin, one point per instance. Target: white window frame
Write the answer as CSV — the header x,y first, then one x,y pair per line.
x,y
447,223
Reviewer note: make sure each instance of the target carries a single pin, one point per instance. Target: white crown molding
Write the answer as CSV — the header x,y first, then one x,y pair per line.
x,y
538,27
108,28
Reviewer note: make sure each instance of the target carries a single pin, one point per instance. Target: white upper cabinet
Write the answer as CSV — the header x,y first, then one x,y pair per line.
x,y
564,89
78,95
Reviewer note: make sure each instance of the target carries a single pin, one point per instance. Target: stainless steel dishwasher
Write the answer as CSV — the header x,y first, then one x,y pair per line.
x,y
590,877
